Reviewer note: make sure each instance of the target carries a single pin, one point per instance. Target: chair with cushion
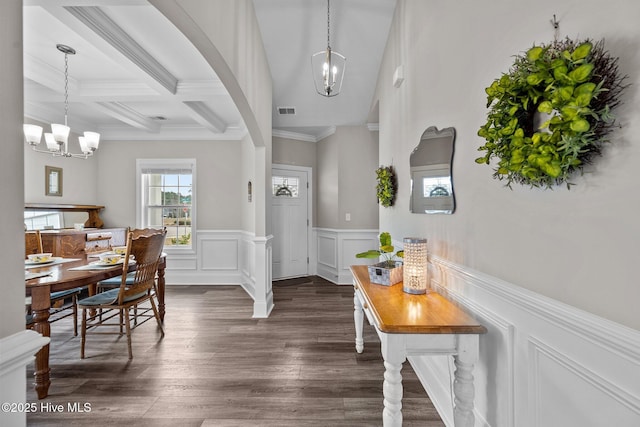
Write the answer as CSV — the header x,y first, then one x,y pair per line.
x,y
59,311
114,282
117,303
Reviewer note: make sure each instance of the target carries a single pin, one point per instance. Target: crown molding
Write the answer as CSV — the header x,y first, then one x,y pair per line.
x,y
171,133
328,132
293,135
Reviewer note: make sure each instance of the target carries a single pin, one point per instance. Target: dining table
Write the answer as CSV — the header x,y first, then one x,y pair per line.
x,y
67,273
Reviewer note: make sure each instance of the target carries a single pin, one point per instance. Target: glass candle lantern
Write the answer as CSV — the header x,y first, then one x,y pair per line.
x,y
415,266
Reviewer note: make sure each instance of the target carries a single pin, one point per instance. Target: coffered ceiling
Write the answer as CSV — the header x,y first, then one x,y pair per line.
x,y
136,77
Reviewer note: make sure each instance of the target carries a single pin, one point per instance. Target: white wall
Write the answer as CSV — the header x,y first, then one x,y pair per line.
x,y
17,346
551,273
346,179
218,167
11,170
578,246
358,160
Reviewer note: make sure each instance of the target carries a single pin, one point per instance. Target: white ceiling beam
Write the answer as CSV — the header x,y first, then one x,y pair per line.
x,y
114,90
57,10
205,116
98,21
128,115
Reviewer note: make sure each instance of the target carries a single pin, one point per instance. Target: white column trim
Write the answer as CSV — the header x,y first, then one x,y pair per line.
x,y
19,349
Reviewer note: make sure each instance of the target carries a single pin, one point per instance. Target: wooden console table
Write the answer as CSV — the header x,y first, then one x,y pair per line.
x,y
417,325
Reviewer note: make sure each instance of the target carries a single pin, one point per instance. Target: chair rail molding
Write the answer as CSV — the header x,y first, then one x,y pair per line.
x,y
541,363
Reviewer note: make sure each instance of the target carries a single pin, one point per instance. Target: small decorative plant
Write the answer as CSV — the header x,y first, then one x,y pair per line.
x,y
386,188
386,251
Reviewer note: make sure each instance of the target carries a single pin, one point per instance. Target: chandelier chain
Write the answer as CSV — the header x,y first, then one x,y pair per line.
x,y
66,88
328,16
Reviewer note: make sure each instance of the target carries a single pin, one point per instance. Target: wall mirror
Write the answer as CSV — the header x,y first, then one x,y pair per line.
x,y
430,165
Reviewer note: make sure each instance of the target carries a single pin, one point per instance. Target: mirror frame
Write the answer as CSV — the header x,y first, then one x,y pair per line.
x,y
52,181
431,133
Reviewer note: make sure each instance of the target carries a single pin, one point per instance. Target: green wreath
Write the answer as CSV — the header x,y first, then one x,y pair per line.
x,y
386,188
576,84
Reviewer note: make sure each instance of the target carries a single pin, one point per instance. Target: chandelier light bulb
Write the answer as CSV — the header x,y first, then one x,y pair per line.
x,y
57,140
33,134
52,145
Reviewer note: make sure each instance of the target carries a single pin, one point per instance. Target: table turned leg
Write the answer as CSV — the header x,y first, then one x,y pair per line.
x,y
392,385
463,389
358,318
40,305
161,289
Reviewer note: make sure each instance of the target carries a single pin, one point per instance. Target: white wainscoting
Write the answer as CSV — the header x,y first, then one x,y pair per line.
x,y
218,260
335,251
227,257
542,363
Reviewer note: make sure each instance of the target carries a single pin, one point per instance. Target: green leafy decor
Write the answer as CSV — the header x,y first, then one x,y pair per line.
x,y
575,84
386,251
387,186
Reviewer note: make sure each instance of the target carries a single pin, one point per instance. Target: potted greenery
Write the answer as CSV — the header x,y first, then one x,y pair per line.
x,y
389,271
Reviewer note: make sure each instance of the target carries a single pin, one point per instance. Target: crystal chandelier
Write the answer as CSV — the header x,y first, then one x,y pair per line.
x,y
327,67
57,140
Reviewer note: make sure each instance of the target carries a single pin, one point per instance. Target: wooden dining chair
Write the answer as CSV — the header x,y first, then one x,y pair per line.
x,y
32,243
59,311
114,282
117,303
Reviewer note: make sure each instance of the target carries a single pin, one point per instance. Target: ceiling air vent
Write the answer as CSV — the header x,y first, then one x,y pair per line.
x,y
286,110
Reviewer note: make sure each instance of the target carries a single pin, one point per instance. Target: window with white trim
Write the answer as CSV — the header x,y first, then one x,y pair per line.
x,y
166,198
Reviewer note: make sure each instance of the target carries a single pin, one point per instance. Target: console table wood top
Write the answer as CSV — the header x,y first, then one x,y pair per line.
x,y
396,311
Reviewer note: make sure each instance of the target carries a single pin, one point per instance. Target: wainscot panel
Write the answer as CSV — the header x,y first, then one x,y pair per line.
x,y
336,251
216,260
542,362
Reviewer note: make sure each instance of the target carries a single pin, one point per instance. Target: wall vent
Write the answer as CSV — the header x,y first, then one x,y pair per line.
x,y
286,110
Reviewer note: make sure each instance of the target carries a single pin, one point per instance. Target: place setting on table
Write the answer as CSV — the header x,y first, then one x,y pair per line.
x,y
42,260
112,258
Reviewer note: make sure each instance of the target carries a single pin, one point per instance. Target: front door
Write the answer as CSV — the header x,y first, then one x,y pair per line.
x,y
290,222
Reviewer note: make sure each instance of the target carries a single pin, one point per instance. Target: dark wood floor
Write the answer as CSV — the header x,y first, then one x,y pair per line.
x,y
216,366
